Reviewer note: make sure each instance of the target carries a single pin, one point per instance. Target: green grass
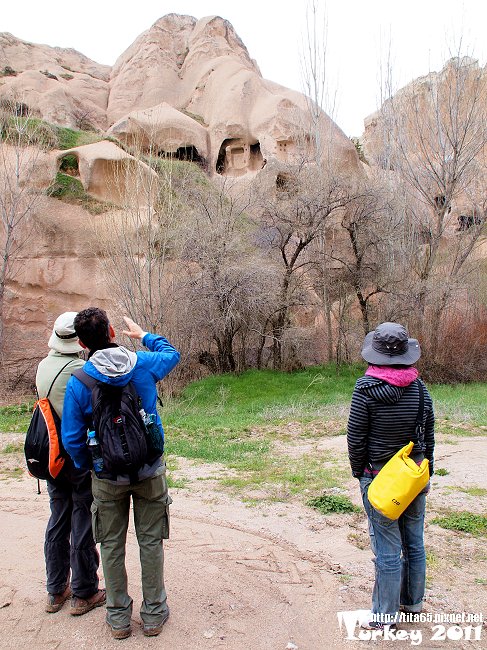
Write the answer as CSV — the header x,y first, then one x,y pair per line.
x,y
13,448
70,190
330,503
460,404
32,130
14,472
15,418
441,471
176,482
231,450
279,477
474,491
465,522
261,426
254,398
70,138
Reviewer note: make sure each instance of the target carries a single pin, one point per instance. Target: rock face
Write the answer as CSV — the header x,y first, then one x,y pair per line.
x,y
188,85
186,88
437,119
60,85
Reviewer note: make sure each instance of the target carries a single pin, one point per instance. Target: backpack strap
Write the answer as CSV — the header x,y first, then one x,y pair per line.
x,y
86,379
54,380
419,427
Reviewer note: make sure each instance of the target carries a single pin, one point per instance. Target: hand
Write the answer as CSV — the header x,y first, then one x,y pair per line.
x,y
134,331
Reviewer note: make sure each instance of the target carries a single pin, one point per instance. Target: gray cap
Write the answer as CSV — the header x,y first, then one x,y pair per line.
x,y
389,345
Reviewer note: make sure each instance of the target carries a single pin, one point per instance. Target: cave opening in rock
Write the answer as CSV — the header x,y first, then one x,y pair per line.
x,y
69,165
237,157
188,153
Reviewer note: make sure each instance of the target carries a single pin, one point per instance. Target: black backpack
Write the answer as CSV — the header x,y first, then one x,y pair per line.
x,y
119,428
44,452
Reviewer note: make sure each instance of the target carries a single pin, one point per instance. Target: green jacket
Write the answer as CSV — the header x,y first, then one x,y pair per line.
x,y
48,369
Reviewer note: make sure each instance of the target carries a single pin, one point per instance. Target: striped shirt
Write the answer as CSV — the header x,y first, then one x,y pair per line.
x,y
383,419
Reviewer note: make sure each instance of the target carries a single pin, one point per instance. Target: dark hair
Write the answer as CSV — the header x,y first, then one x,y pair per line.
x,y
92,327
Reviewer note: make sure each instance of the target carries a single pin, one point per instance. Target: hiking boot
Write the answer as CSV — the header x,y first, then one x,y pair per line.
x,y
155,630
81,606
120,632
56,601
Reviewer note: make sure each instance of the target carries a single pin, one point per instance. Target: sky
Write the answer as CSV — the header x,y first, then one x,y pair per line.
x,y
417,37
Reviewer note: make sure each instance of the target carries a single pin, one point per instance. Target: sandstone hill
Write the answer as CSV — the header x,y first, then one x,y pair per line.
x,y
188,84
189,88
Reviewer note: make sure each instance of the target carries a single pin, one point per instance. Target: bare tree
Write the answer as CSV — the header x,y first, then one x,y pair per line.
x,y
22,140
434,139
294,216
227,283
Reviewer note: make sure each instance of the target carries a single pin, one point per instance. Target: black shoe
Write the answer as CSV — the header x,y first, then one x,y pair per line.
x,y
378,625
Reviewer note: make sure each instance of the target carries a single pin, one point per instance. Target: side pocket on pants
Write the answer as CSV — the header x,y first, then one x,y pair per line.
x,y
166,518
96,523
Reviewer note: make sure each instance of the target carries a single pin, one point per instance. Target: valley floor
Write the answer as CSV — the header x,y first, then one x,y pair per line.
x,y
265,576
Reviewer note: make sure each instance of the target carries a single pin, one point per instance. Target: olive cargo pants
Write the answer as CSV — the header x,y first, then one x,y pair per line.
x,y
110,510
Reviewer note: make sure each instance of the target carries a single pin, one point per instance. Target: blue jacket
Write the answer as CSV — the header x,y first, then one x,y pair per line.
x,y
144,369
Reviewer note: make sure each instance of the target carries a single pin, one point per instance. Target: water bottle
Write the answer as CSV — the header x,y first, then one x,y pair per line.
x,y
95,450
154,435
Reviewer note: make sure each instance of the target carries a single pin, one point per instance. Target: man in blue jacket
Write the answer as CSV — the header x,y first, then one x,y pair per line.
x,y
115,365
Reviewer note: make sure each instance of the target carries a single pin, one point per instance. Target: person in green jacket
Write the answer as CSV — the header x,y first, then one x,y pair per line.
x,y
69,545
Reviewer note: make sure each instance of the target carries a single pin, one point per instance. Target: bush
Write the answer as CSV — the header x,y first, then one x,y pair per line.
x,y
462,350
69,164
27,131
8,72
441,472
328,503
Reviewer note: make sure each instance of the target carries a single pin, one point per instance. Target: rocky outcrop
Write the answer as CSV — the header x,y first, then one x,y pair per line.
x,y
434,121
59,85
110,174
164,130
189,84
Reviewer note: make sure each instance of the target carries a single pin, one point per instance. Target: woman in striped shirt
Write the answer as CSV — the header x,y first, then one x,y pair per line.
x,y
382,420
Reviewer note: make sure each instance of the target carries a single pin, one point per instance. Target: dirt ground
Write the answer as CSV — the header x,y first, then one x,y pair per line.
x,y
270,576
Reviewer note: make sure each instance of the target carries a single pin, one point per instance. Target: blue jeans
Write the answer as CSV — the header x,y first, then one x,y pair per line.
x,y
400,558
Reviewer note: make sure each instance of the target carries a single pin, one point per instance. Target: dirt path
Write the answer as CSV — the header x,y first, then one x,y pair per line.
x,y
267,577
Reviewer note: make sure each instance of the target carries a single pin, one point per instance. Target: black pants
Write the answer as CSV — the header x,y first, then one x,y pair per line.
x,y
69,539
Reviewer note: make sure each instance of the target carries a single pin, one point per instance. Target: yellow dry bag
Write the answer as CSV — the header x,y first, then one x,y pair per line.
x,y
398,483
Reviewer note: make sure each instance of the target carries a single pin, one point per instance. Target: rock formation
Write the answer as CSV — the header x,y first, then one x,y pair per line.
x,y
186,88
433,120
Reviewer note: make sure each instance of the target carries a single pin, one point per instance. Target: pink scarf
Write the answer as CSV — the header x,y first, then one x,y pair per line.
x,y
395,376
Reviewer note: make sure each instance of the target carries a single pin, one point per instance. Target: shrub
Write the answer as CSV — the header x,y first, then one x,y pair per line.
x,y
69,164
461,355
27,131
328,503
48,74
8,72
441,471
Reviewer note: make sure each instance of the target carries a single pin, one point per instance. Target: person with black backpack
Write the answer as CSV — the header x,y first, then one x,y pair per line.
x,y
69,543
111,425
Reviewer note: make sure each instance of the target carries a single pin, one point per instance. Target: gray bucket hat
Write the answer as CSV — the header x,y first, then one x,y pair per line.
x,y
389,345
